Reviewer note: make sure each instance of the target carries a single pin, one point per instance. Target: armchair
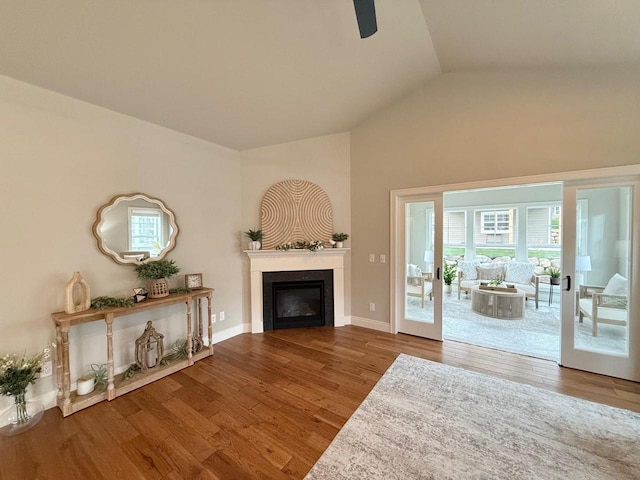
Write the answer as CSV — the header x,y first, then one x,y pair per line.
x,y
601,307
420,287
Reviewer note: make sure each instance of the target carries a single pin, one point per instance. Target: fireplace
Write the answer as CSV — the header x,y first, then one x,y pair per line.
x,y
296,262
301,298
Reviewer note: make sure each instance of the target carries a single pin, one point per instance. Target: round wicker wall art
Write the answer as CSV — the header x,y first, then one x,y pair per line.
x,y
295,210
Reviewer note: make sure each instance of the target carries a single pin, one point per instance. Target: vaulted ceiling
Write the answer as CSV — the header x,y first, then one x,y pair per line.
x,y
247,73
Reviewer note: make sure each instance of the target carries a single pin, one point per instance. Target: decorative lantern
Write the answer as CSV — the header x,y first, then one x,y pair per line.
x,y
139,294
149,348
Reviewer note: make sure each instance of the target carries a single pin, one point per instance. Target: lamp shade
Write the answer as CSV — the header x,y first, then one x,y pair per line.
x,y
583,263
428,256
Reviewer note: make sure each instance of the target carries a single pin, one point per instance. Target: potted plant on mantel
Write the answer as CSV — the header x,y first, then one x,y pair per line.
x,y
554,273
256,237
338,238
157,272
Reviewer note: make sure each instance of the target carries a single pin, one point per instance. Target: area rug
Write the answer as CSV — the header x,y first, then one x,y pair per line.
x,y
425,420
536,335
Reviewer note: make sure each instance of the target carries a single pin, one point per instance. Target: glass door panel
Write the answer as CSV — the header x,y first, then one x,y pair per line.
x,y
420,309
598,326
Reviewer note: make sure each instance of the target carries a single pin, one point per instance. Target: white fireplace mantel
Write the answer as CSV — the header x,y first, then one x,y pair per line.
x,y
292,260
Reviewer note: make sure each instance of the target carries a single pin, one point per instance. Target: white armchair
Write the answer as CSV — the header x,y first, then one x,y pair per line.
x,y
420,287
601,307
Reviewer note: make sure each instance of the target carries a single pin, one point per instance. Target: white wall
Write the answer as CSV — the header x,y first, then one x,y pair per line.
x,y
60,159
324,161
464,127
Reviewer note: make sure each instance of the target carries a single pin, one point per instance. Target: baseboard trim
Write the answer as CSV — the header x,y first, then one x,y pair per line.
x,y
228,333
372,324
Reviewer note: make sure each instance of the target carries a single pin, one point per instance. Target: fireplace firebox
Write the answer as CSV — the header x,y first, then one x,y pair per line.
x,y
301,298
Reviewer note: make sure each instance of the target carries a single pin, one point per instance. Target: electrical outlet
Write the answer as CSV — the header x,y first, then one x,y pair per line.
x,y
47,369
213,318
372,307
221,316
383,258
372,258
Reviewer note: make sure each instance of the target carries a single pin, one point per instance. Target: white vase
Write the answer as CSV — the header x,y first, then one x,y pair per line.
x,y
86,384
339,244
255,245
447,288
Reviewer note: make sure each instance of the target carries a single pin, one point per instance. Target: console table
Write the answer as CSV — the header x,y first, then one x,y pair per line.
x,y
69,402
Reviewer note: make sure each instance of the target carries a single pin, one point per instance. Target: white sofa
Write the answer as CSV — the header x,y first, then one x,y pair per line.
x,y
520,274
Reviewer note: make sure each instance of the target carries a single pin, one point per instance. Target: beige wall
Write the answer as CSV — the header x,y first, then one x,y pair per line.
x,y
476,126
324,161
60,160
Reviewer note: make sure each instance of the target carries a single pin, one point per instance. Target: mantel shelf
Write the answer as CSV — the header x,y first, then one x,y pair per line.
x,y
296,252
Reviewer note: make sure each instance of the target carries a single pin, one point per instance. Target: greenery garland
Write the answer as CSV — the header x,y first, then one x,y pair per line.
x,y
100,303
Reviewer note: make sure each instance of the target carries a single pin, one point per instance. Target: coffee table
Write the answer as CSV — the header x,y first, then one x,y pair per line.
x,y
498,304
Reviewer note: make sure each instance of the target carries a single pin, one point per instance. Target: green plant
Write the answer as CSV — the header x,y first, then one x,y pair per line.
x,y
339,237
254,235
16,374
553,272
178,351
100,375
153,270
130,372
450,272
497,281
100,303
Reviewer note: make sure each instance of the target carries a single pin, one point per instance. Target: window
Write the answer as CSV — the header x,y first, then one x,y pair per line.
x,y
543,232
497,222
494,232
454,232
145,230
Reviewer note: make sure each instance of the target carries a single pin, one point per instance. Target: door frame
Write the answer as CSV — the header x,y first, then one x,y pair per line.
x,y
619,173
433,330
606,363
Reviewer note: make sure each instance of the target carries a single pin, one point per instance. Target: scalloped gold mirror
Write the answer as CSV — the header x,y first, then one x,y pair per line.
x,y
132,228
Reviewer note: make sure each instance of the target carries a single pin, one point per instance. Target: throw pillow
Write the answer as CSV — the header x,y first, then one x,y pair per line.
x,y
490,271
414,273
618,285
468,269
520,272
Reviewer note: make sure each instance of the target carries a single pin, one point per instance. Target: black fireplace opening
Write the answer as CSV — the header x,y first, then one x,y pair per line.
x,y
295,299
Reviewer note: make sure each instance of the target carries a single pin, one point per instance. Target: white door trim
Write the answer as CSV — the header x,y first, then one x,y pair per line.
x,y
596,173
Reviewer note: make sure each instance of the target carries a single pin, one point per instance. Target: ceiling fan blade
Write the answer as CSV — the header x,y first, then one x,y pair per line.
x,y
366,16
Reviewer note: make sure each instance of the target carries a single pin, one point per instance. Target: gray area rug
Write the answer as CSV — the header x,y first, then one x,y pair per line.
x,y
425,420
536,335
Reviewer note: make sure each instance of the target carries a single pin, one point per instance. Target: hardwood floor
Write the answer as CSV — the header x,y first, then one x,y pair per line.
x,y
263,407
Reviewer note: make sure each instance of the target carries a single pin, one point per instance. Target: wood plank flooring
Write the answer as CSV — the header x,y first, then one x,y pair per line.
x,y
263,407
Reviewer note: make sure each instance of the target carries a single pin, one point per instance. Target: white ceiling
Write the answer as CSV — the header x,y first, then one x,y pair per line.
x,y
508,34
248,73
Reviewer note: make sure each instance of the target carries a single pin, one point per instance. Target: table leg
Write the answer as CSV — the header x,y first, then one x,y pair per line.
x,y
66,372
111,387
189,333
209,323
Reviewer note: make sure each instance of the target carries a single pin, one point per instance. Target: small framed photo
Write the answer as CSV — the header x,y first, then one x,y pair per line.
x,y
193,281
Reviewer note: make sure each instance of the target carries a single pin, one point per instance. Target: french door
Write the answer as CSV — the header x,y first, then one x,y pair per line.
x,y
417,300
600,301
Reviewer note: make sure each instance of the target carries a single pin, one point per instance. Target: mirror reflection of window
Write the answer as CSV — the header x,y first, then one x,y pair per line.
x,y
146,230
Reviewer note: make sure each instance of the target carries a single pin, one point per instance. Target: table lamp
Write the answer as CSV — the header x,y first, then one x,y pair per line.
x,y
428,260
583,264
